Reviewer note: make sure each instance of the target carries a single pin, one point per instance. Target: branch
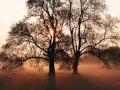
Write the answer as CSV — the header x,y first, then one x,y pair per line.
x,y
34,42
97,42
35,57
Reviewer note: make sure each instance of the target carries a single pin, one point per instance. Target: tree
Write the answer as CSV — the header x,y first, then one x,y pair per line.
x,y
45,34
48,11
88,26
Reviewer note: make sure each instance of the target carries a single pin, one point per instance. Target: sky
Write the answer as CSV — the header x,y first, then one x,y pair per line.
x,y
11,11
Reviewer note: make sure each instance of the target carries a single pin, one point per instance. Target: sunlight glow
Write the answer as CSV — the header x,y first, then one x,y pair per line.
x,y
51,32
32,20
66,30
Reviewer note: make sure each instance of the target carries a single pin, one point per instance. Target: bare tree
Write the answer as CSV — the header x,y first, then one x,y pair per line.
x,y
88,26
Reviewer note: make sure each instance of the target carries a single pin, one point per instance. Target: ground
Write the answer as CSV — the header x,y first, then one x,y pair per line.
x,y
92,76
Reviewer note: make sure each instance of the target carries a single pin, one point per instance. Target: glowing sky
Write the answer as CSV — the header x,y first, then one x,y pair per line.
x,y
10,12
13,10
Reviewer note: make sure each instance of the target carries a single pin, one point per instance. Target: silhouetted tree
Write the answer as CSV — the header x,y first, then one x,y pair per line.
x,y
45,33
48,11
30,41
88,25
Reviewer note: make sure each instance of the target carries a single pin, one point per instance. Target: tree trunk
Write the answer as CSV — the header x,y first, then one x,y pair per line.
x,y
51,54
51,68
75,65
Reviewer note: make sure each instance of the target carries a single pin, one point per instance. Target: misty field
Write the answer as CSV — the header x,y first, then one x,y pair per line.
x,y
92,76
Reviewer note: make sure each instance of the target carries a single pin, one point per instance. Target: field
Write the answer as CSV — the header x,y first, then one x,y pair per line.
x,y
92,76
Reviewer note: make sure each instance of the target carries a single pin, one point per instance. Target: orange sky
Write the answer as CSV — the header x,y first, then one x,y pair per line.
x,y
13,10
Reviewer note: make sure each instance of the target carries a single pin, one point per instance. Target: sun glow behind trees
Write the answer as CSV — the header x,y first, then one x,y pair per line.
x,y
46,33
12,11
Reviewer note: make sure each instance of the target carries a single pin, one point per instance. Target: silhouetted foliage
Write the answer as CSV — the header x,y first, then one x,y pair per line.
x,y
11,65
3,56
64,59
110,56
